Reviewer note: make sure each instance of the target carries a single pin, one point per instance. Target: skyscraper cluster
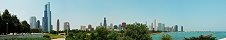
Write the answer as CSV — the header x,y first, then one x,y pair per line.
x,y
161,27
118,27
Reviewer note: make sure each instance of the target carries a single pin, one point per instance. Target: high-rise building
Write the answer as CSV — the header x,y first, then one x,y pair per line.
x,y
182,28
0,13
47,18
101,24
163,27
38,25
159,27
66,26
154,25
33,22
90,27
44,24
175,28
124,25
82,27
115,26
111,26
58,25
120,26
51,27
105,22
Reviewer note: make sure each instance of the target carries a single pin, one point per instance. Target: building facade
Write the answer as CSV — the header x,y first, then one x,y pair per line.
x,y
47,19
82,27
58,25
105,22
175,28
66,26
33,22
182,28
123,25
38,25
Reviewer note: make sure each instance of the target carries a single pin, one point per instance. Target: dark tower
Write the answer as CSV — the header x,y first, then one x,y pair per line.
x,y
105,22
182,28
58,25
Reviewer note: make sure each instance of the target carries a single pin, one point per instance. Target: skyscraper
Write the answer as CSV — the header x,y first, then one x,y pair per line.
x,y
44,24
101,24
90,27
182,28
175,28
105,22
115,26
0,13
38,24
154,25
159,27
66,26
58,24
120,26
124,25
47,18
82,27
33,22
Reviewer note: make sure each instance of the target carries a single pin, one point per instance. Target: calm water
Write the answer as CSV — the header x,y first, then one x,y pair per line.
x,y
181,35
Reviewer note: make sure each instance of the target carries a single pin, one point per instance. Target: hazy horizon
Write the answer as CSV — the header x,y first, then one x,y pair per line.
x,y
194,15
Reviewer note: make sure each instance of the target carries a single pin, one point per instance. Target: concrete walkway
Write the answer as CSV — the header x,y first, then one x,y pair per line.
x,y
59,39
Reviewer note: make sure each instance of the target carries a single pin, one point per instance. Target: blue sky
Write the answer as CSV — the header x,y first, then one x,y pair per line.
x,y
194,15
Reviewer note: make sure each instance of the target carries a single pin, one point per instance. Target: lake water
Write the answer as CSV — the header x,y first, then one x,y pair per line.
x,y
181,35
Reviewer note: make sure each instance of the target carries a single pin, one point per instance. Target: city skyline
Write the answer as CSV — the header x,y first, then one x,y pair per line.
x,y
189,14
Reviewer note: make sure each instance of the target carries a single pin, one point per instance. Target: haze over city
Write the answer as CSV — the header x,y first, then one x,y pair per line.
x,y
194,15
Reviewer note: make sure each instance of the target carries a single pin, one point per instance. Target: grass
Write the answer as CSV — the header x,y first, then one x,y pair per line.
x,y
55,36
24,39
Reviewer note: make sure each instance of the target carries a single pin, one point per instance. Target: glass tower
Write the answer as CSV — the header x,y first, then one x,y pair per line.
x,y
46,24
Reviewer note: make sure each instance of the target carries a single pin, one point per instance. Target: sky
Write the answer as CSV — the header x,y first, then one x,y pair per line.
x,y
194,15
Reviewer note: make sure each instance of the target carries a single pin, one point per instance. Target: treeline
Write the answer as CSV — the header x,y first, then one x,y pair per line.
x,y
135,31
11,24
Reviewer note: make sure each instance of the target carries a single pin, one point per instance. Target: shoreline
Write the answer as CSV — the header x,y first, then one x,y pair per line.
x,y
223,39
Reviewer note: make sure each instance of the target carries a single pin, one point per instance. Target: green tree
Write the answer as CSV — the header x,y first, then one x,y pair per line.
x,y
15,24
102,32
1,25
6,18
137,31
25,26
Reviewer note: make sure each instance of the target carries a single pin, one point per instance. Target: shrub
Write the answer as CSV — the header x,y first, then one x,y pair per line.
x,y
167,37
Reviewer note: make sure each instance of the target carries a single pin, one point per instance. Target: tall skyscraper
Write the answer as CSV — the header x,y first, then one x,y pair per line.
x,y
38,25
33,22
66,26
101,24
124,25
115,26
175,28
58,24
159,27
44,24
182,28
47,18
154,25
90,27
120,26
105,22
